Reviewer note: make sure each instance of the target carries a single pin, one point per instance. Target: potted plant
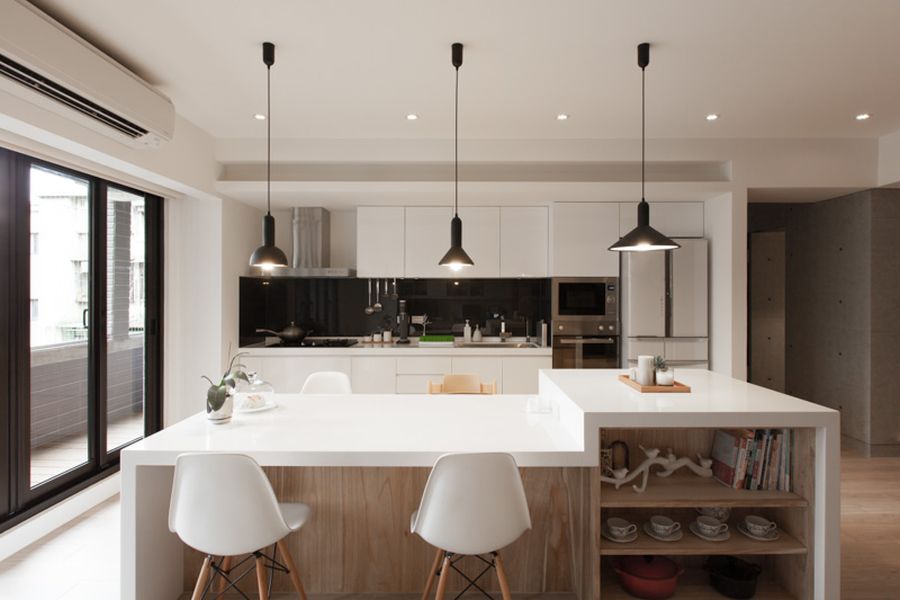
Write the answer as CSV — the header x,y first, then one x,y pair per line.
x,y
219,396
665,375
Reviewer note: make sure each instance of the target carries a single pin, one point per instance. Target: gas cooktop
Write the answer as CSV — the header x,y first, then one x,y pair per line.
x,y
317,343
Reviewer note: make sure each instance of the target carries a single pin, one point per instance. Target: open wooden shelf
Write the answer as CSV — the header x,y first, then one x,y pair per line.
x,y
690,544
693,585
680,491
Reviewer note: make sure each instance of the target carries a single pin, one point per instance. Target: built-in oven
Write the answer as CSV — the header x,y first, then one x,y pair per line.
x,y
585,352
585,305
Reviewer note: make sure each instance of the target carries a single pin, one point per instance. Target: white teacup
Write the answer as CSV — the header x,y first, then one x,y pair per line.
x,y
620,528
664,526
759,526
710,526
722,513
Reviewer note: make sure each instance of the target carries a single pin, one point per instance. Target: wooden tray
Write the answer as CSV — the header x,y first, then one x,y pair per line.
x,y
677,388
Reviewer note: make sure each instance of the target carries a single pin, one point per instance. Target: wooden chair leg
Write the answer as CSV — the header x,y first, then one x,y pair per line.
x,y
442,581
429,583
261,578
501,577
201,579
292,568
225,566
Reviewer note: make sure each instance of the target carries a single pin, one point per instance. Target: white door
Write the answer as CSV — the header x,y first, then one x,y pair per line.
x,y
644,275
427,240
582,235
481,241
674,219
379,241
487,368
374,375
524,238
690,289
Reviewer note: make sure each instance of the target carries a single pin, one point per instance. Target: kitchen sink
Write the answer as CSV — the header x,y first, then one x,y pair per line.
x,y
499,345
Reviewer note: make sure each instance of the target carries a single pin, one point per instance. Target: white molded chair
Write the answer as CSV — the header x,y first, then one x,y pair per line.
x,y
473,504
223,505
327,382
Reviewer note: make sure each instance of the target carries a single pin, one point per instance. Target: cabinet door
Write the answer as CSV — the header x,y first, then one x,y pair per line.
x,y
520,375
645,293
374,375
582,235
524,233
481,241
379,241
674,219
287,374
689,289
487,368
427,240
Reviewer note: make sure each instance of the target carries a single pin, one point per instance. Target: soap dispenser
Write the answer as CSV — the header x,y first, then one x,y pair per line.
x,y
476,337
467,332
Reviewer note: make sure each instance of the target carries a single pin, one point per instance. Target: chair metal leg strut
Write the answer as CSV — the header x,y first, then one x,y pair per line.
x,y
219,573
450,560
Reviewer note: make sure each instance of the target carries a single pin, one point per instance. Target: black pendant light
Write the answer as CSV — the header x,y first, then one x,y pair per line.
x,y
268,256
456,258
643,238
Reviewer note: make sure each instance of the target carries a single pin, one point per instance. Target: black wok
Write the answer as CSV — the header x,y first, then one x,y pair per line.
x,y
292,333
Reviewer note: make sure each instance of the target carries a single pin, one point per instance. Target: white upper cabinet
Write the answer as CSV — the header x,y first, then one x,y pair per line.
x,y
379,241
524,233
673,219
582,235
481,241
428,239
690,289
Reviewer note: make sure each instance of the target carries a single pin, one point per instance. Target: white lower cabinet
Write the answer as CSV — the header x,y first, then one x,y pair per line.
x,y
374,375
487,368
416,384
520,375
288,373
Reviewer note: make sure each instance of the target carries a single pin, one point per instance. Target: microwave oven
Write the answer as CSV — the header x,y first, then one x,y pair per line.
x,y
585,305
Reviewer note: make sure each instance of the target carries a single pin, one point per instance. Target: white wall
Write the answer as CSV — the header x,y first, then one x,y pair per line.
x,y
241,234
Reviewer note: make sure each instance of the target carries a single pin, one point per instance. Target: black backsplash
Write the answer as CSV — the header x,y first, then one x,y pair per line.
x,y
336,307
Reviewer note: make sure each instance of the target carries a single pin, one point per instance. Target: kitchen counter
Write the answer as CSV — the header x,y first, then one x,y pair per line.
x,y
393,349
393,433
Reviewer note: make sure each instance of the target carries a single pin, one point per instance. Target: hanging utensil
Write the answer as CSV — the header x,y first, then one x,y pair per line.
x,y
394,296
377,306
369,308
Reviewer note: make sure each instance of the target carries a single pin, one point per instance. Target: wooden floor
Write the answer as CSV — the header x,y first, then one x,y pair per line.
x,y
50,460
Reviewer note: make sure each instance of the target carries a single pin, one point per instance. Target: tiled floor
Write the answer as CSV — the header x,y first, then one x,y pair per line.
x,y
80,561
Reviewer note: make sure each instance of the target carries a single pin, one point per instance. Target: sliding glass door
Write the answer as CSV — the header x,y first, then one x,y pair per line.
x,y
80,337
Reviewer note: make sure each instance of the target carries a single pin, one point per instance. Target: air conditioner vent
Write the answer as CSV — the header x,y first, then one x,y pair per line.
x,y
45,86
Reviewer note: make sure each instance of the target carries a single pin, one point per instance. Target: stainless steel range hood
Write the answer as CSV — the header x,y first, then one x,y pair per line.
x,y
311,256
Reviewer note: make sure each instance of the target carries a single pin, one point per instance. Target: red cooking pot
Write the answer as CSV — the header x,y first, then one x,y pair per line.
x,y
649,577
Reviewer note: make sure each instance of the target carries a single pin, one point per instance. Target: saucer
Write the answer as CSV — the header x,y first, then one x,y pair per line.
x,y
604,531
695,529
770,537
672,537
269,404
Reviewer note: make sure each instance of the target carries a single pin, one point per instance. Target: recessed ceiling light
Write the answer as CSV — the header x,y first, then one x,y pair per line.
x,y
259,117
712,117
562,117
412,117
863,116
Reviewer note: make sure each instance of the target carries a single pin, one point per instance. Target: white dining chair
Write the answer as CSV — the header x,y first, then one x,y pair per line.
x,y
327,382
473,504
224,506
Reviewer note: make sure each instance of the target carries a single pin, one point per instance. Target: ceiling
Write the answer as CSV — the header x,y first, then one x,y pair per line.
x,y
353,69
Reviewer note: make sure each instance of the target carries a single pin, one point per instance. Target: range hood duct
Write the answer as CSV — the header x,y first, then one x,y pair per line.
x,y
311,250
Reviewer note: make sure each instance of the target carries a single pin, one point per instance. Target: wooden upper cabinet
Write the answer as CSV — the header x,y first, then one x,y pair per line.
x,y
673,219
582,235
379,241
524,241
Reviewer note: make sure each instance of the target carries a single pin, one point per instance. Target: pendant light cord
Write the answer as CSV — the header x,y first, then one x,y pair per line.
x,y
268,139
456,148
643,127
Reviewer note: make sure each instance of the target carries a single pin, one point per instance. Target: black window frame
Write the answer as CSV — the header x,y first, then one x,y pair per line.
x,y
18,500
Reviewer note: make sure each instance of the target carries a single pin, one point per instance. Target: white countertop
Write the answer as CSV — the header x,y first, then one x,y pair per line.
x,y
413,430
392,349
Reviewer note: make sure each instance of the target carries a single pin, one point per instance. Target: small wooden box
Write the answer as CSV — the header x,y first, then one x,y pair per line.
x,y
677,388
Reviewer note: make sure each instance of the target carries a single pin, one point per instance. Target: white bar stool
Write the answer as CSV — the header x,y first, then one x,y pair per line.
x,y
473,504
223,505
327,382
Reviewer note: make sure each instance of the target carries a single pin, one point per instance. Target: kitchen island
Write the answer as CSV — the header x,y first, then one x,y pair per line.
x,y
361,461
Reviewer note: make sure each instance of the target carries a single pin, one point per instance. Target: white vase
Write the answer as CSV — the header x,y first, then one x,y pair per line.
x,y
666,377
645,369
223,414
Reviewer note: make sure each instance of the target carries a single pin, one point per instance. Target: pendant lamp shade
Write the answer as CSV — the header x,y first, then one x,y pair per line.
x,y
268,256
456,258
643,238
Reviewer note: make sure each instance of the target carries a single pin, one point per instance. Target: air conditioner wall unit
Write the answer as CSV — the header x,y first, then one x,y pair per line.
x,y
48,65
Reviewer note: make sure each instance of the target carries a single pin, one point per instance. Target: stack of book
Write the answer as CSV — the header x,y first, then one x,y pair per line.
x,y
753,459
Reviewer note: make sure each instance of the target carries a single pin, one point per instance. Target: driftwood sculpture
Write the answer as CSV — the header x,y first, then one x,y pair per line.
x,y
669,465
